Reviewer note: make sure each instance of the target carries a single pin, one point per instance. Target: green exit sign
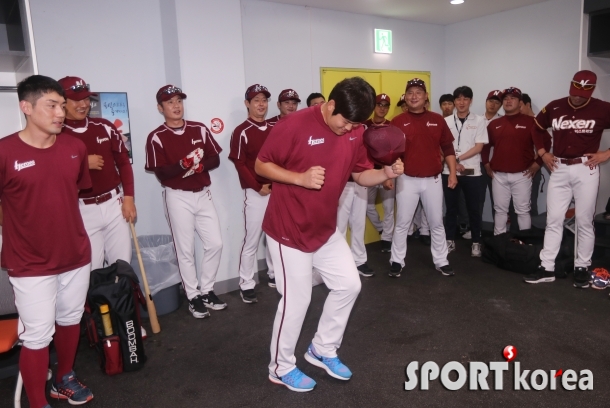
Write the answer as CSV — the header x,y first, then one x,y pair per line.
x,y
383,41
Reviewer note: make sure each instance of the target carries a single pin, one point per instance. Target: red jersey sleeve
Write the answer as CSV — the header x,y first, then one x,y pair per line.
x,y
446,140
155,154
239,160
211,147
121,159
540,133
278,145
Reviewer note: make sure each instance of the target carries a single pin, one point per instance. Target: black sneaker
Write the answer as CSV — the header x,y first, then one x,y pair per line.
x,y
386,246
445,270
248,296
271,282
211,301
425,239
197,308
364,270
395,270
541,275
581,278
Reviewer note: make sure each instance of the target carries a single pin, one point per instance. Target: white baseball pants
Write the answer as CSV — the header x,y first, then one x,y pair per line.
x,y
293,278
43,301
409,191
188,212
582,183
519,186
352,211
387,201
254,212
108,231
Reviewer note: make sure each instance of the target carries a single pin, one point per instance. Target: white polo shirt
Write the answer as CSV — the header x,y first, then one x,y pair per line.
x,y
474,130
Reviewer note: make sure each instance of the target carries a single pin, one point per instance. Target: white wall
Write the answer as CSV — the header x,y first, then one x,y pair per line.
x,y
601,66
535,48
285,46
9,106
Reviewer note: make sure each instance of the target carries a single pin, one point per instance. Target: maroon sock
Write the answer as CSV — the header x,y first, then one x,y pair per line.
x,y
66,343
34,366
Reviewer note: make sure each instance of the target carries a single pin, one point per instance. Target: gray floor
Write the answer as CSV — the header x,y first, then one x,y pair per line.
x,y
422,316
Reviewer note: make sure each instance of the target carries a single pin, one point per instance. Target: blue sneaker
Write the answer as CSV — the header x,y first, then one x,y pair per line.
x,y
71,389
333,366
294,381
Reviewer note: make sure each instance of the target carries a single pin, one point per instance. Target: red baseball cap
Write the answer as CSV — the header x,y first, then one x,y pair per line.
x,y
255,89
167,92
496,94
382,98
583,84
75,88
516,92
401,101
287,95
416,82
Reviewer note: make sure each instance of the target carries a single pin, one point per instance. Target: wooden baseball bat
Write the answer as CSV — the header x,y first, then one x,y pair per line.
x,y
152,311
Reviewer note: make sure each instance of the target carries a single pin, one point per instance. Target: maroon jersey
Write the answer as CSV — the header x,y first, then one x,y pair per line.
x,y
576,130
427,134
166,146
511,138
272,121
369,122
102,138
43,232
246,141
301,218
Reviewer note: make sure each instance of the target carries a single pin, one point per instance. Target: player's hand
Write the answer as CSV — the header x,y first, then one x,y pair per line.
x,y
597,158
460,168
96,162
394,170
532,170
265,190
129,209
550,161
452,181
489,171
388,185
192,159
312,178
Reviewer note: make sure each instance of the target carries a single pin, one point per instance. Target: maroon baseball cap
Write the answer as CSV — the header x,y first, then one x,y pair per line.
x,y
416,82
255,89
167,92
516,92
75,88
495,94
382,98
583,84
287,95
401,101
385,143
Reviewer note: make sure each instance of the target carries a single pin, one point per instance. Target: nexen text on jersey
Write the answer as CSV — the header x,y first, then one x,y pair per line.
x,y
560,124
25,165
313,141
100,141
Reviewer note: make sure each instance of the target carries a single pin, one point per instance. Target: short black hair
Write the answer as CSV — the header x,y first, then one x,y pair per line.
x,y
313,96
464,91
526,99
445,98
354,99
34,86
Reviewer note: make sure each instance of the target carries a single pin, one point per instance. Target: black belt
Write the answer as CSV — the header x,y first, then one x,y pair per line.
x,y
570,162
102,198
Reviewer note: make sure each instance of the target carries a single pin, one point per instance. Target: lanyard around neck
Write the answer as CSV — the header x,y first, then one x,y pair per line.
x,y
459,130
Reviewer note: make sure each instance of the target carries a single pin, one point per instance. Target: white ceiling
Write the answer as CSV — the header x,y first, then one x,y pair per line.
x,y
425,11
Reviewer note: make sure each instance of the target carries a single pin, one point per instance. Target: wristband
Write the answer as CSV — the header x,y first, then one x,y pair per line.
x,y
543,154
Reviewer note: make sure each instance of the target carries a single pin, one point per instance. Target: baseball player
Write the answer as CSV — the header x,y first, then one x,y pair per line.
x,y
315,98
45,250
181,153
577,122
310,155
512,165
427,135
402,103
246,141
386,190
493,103
469,136
287,102
446,104
106,208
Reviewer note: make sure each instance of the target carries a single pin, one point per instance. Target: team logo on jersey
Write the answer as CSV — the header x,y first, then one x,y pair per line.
x,y
195,141
431,124
313,142
577,125
24,165
102,140
520,127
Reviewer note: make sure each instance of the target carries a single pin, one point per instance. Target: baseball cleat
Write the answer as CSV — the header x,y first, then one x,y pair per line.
x,y
365,271
540,276
197,308
581,278
294,381
71,389
248,296
332,365
211,301
395,270
445,270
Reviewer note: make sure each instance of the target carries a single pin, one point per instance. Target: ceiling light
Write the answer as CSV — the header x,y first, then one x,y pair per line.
x,y
457,1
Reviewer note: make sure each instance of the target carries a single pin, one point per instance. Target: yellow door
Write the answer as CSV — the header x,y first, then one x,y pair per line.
x,y
393,84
